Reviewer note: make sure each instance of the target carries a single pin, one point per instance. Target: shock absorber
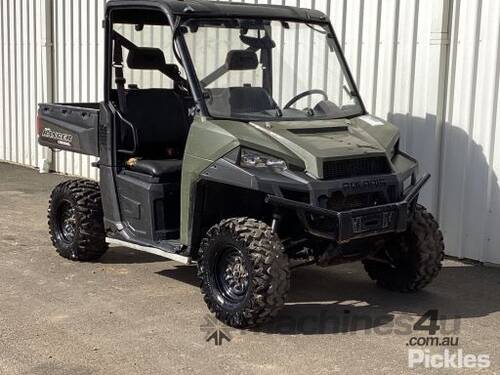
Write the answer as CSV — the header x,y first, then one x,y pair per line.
x,y
276,222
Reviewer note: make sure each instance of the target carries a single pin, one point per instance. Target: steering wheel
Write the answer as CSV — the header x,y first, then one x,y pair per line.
x,y
304,94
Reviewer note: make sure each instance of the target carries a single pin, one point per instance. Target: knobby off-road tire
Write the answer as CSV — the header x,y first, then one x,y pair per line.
x,y
76,220
244,272
415,256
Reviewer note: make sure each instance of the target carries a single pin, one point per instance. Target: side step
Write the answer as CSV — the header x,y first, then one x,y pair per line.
x,y
151,250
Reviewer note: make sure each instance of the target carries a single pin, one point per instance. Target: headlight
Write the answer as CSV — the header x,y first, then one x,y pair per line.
x,y
255,159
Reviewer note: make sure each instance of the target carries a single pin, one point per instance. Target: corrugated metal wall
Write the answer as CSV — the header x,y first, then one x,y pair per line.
x,y
78,66
431,67
469,188
24,78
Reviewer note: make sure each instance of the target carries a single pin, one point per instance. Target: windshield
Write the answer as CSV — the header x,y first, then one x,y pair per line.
x,y
263,69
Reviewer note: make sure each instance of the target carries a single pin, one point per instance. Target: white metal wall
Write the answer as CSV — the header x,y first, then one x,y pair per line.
x,y
24,80
78,66
469,188
431,67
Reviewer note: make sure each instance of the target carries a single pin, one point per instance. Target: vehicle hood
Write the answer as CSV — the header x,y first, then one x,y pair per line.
x,y
309,144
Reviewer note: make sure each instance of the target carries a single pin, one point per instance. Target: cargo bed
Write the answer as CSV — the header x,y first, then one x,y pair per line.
x,y
69,126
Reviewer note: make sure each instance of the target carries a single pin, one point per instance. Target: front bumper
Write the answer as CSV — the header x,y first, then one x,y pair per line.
x,y
345,226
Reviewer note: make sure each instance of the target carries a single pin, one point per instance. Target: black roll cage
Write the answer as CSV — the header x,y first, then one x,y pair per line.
x,y
122,42
182,51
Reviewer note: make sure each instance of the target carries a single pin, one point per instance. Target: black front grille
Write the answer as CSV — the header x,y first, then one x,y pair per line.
x,y
348,168
339,202
299,196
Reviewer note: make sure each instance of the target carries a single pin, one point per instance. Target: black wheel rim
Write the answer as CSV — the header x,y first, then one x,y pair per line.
x,y
66,220
231,275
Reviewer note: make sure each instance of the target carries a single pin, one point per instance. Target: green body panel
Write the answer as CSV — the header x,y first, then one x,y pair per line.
x,y
331,139
305,144
206,143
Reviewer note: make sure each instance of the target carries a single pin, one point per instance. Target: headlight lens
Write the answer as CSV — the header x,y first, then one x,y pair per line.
x,y
255,159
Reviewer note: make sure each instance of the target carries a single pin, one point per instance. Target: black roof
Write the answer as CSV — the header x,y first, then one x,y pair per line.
x,y
205,8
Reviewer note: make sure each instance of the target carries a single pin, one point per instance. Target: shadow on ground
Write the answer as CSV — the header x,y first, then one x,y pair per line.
x,y
123,255
342,299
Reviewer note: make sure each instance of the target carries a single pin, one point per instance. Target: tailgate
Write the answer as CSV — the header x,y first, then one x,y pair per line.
x,y
71,127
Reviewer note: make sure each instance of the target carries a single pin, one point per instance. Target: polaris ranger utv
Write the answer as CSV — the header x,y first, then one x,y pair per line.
x,y
233,136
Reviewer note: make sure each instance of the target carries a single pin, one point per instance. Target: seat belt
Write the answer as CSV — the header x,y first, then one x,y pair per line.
x,y
119,78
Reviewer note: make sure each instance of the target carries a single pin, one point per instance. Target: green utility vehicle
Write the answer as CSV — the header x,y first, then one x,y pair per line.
x,y
233,136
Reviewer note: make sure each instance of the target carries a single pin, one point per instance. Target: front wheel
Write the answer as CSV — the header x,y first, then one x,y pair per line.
x,y
410,261
244,272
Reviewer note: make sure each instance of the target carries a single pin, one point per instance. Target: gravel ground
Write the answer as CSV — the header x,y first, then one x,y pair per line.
x,y
134,313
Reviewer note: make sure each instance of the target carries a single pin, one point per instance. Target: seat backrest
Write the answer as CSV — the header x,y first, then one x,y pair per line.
x,y
160,117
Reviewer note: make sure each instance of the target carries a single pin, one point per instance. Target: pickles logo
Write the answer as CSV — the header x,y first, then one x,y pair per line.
x,y
448,359
61,138
424,350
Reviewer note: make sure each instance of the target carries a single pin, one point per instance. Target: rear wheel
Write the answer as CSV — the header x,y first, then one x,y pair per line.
x,y
244,272
76,220
410,261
